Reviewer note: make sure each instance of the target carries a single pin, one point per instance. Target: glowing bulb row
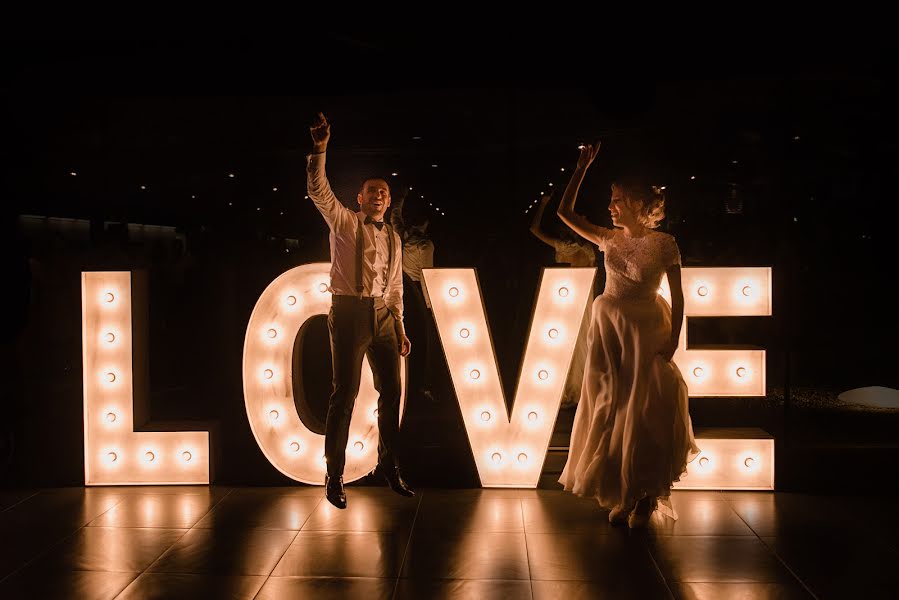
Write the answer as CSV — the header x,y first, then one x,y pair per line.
x,y
291,300
699,372
542,374
274,415
295,447
497,457
703,291
110,338
149,456
486,416
705,461
465,333
454,292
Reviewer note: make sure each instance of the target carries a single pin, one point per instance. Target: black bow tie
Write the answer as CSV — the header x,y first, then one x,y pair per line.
x,y
378,224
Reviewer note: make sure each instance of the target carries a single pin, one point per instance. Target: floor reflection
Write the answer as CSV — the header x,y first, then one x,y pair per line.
x,y
196,541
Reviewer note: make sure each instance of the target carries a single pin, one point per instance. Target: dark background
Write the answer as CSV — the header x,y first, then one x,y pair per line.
x,y
781,156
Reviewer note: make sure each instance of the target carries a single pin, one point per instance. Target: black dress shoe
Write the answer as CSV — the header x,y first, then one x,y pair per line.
x,y
334,491
395,480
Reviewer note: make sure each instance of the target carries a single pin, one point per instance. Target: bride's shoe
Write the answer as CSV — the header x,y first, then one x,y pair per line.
x,y
619,515
640,516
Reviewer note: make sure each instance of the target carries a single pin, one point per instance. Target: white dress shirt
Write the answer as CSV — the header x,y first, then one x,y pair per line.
x,y
343,223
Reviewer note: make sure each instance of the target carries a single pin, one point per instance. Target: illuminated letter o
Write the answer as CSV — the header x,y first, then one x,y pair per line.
x,y
262,396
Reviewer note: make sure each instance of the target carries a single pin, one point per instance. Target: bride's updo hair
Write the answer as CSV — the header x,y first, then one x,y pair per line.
x,y
648,201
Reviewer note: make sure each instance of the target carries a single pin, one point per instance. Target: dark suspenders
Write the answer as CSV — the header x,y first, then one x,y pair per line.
x,y
359,262
360,243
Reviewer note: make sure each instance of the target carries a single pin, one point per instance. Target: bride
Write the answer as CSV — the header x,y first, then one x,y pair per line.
x,y
632,435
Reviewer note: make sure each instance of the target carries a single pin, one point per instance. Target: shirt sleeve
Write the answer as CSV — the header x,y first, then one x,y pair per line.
x,y
319,190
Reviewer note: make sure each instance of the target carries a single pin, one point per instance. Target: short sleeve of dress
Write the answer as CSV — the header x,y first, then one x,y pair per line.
x,y
670,253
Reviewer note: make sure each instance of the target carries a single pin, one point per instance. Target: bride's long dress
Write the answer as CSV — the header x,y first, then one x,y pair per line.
x,y
632,435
